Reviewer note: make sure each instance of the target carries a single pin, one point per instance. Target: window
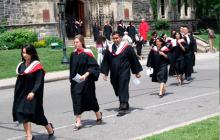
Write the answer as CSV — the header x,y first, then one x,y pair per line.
x,y
186,7
162,8
46,15
179,7
126,13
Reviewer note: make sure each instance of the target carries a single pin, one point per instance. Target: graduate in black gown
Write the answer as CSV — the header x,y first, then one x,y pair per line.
x,y
83,63
190,53
28,93
158,59
179,51
119,59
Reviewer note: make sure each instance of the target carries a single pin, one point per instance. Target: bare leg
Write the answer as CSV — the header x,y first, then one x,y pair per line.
x,y
161,89
49,128
78,120
98,115
27,127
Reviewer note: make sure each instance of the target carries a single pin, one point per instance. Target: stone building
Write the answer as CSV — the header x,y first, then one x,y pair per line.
x,y
42,15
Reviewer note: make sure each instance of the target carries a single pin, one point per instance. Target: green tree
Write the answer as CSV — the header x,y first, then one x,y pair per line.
x,y
154,8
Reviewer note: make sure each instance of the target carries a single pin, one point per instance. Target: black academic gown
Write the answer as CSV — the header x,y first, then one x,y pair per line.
x,y
107,31
24,110
179,57
83,94
119,64
131,32
159,64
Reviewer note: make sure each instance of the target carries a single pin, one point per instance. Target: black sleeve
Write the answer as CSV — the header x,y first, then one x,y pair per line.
x,y
149,59
93,68
105,63
39,80
70,65
135,64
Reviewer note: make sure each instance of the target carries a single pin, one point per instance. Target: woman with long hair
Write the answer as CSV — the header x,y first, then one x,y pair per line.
x,y
158,59
84,71
28,95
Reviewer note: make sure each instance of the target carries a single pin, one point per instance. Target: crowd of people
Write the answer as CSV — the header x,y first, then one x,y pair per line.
x,y
118,60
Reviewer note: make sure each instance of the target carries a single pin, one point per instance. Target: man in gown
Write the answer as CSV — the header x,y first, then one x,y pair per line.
x,y
119,59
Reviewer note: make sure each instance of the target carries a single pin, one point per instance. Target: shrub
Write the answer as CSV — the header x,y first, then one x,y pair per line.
x,y
162,25
17,38
40,44
52,39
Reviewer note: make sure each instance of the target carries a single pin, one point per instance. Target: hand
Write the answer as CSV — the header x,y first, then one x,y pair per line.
x,y
30,96
138,75
161,53
105,77
84,76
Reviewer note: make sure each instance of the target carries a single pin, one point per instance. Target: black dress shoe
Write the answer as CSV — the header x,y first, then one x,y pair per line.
x,y
51,135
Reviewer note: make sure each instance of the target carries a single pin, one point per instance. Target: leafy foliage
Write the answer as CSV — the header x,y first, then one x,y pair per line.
x,y
52,39
162,25
154,8
15,39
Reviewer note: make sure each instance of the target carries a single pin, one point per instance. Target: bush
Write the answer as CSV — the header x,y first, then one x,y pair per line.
x,y
40,44
162,25
17,38
53,39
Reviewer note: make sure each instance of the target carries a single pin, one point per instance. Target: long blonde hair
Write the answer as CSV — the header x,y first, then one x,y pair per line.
x,y
81,39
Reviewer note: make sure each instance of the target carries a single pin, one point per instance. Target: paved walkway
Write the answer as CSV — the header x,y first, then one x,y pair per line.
x,y
61,75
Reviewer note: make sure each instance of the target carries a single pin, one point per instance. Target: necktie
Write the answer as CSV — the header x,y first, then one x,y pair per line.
x,y
114,48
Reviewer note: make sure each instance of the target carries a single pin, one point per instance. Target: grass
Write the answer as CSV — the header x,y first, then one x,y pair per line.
x,y
50,59
216,40
204,130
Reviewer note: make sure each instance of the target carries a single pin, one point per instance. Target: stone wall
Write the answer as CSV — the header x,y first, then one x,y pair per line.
x,y
142,9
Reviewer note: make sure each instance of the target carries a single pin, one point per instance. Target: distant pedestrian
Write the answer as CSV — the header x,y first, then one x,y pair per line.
x,y
84,71
158,59
153,38
211,36
127,38
143,30
107,30
119,59
96,30
121,28
28,93
131,31
139,45
101,45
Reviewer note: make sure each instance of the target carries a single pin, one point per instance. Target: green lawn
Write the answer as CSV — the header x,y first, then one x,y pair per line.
x,y
50,59
216,40
204,130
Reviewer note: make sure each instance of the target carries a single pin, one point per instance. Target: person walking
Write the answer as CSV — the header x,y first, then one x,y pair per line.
x,y
179,51
119,59
143,30
139,44
190,53
101,45
131,31
28,93
96,31
158,59
84,71
121,28
211,36
107,30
